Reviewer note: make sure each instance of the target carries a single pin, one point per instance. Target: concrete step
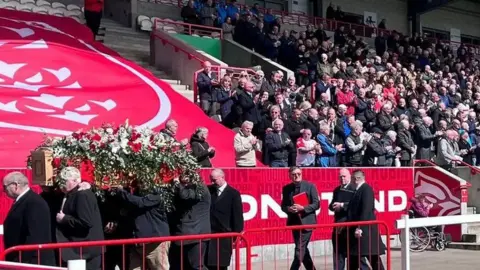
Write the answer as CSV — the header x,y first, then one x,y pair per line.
x,y
461,245
186,94
179,87
471,210
171,82
471,238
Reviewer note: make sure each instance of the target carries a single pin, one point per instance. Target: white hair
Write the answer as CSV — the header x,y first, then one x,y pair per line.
x,y
391,133
16,177
247,123
71,173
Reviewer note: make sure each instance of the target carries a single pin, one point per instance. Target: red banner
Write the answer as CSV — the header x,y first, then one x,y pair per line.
x,y
261,195
55,80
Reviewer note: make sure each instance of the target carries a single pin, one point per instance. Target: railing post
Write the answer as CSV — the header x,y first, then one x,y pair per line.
x,y
405,240
76,265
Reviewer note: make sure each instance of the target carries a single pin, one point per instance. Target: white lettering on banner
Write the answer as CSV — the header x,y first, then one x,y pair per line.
x,y
267,203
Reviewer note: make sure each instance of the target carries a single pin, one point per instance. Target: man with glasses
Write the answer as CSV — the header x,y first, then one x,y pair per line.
x,y
299,202
27,222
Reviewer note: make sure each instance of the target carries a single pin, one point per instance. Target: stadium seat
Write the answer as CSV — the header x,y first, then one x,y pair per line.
x,y
3,4
146,25
58,5
61,10
26,7
40,10
142,18
73,7
12,5
77,19
42,3
27,1
215,35
72,13
53,11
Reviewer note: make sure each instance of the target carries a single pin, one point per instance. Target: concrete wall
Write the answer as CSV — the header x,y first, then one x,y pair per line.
x,y
463,15
236,55
474,180
119,11
394,11
164,56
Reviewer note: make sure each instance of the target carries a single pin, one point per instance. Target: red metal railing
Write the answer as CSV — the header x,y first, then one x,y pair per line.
x,y
247,240
303,20
313,89
187,28
177,49
237,238
218,71
320,232
429,162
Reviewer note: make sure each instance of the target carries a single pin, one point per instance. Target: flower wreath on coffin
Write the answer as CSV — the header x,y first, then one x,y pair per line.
x,y
110,156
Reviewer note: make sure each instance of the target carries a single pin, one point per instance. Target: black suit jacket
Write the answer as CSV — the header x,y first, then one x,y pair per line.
x,y
27,223
192,213
342,194
308,216
226,215
82,222
362,208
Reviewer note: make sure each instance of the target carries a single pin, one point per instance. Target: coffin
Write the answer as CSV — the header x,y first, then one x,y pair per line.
x,y
42,168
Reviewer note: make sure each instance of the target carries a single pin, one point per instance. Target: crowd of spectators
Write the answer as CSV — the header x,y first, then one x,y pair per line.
x,y
405,98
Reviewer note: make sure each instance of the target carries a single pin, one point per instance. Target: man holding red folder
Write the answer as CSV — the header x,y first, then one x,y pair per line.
x,y
299,202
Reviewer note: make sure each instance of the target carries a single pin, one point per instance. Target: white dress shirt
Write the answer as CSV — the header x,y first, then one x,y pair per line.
x,y
21,194
221,189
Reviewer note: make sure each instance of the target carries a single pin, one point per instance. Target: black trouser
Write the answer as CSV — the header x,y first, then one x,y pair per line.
x,y
374,260
187,257
406,163
302,254
93,20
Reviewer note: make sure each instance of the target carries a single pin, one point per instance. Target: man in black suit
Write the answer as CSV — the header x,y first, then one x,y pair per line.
x,y
339,205
226,215
27,222
191,216
79,220
362,208
150,220
300,215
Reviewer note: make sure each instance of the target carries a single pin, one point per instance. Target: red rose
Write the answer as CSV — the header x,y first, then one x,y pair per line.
x,y
96,137
56,162
136,147
134,136
92,147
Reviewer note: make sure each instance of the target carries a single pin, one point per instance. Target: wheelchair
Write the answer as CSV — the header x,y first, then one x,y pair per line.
x,y
423,237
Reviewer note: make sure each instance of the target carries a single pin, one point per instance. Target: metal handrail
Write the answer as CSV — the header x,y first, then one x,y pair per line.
x,y
429,162
218,70
191,28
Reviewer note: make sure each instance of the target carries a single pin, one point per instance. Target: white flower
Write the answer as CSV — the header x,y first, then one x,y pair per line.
x,y
115,147
109,131
124,143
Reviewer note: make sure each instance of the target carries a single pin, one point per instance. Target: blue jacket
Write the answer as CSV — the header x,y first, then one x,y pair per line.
x,y
231,11
329,152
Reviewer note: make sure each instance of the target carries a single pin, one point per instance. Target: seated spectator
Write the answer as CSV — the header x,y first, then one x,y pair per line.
x,y
200,147
245,145
277,146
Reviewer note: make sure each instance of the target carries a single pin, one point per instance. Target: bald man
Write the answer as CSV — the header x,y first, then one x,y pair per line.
x,y
226,215
27,222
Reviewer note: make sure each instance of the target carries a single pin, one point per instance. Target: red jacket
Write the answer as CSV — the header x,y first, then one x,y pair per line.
x,y
348,100
94,5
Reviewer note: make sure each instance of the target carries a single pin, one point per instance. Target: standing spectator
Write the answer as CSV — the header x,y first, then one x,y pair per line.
x,y
355,146
327,157
466,148
208,14
170,131
406,144
446,154
191,217
232,10
277,144
226,215
294,127
200,147
307,149
385,119
205,80
300,215
246,105
93,15
228,29
425,138
380,44
224,100
150,219
245,145
375,153
27,222
362,208
79,220
189,14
